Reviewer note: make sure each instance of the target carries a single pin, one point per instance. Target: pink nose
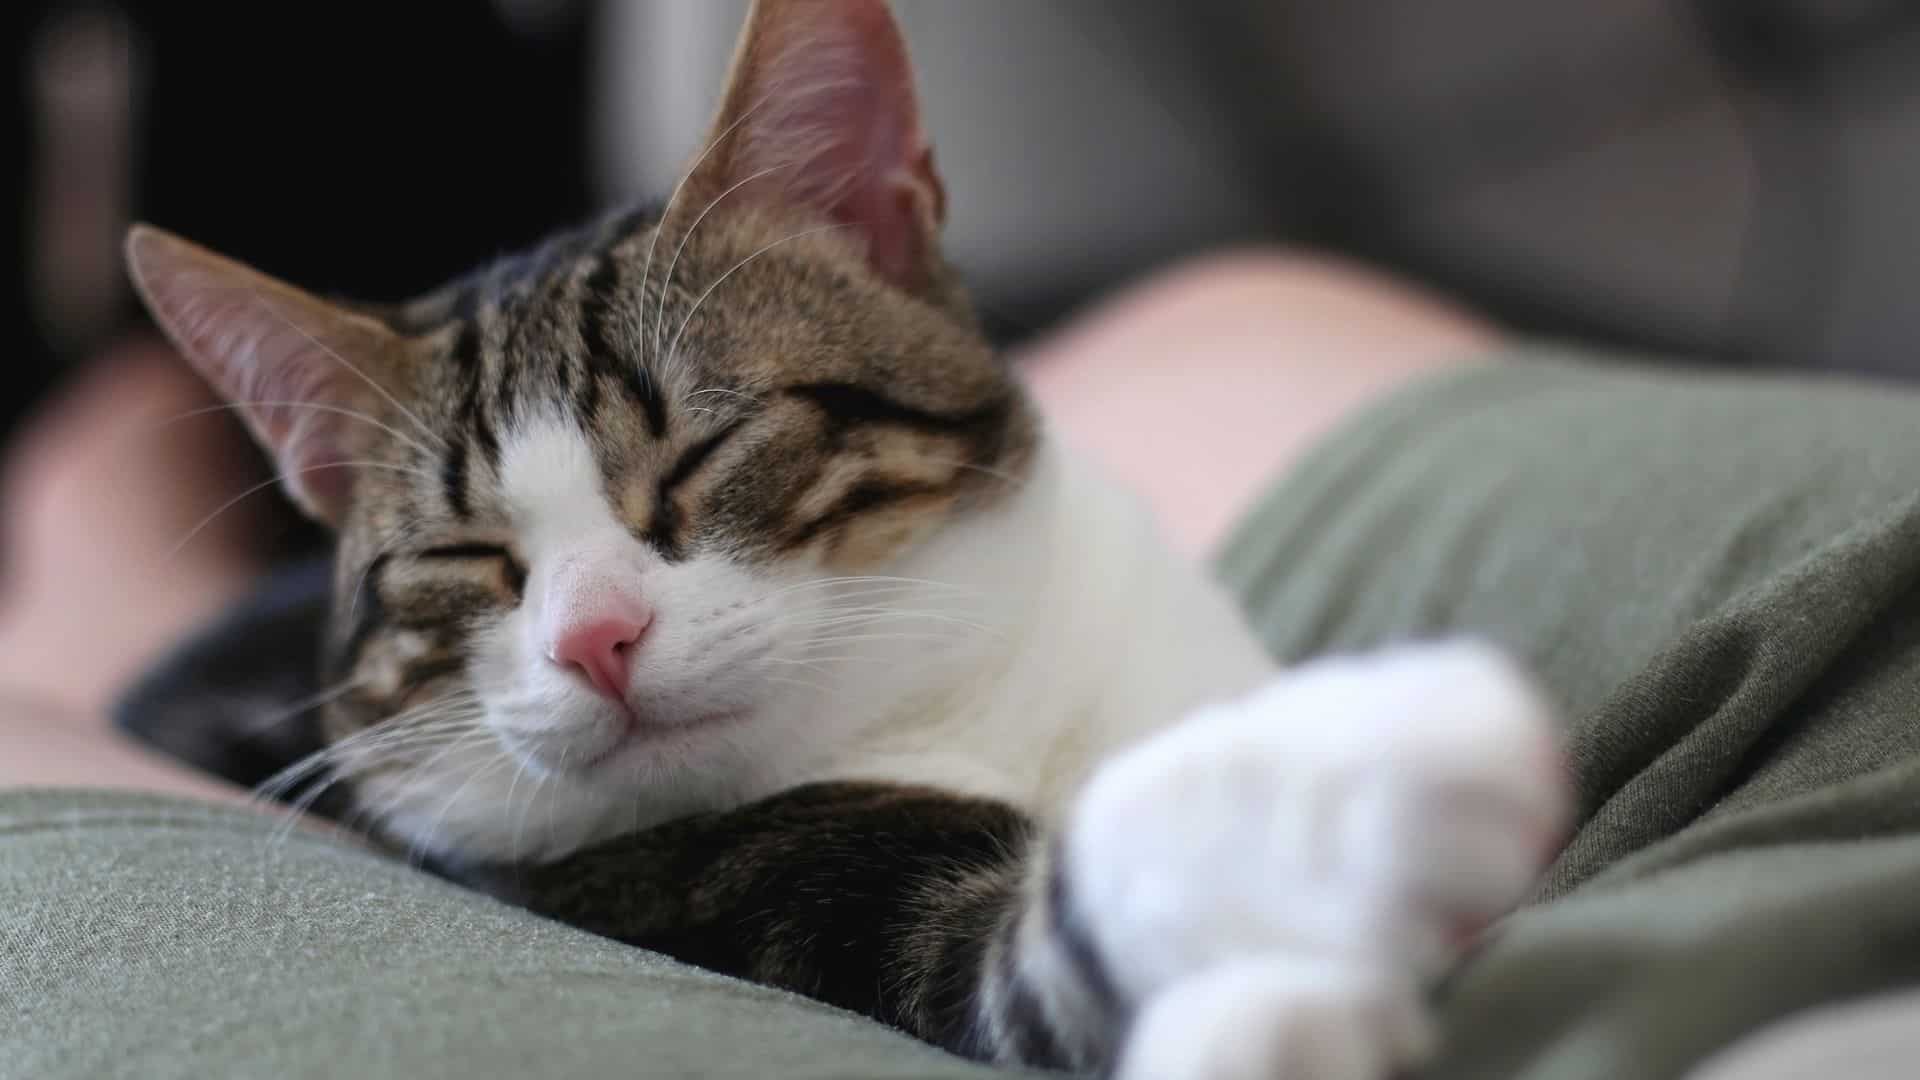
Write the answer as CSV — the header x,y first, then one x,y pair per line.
x,y
601,648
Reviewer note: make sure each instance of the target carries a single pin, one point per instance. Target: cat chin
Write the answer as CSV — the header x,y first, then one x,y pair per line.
x,y
642,744
504,807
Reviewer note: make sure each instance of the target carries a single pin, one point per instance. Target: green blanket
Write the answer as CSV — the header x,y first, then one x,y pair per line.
x,y
1715,577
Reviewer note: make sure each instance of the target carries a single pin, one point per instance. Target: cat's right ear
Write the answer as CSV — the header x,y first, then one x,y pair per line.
x,y
820,114
299,370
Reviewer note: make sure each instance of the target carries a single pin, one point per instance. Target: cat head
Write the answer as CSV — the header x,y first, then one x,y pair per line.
x,y
626,525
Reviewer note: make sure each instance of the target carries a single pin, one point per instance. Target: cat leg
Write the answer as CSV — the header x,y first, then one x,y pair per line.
x,y
1266,888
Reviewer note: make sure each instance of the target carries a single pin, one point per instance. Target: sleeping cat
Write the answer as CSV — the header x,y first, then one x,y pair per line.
x,y
703,579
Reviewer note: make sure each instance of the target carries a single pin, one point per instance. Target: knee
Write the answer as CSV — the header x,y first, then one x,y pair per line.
x,y
1275,308
1236,363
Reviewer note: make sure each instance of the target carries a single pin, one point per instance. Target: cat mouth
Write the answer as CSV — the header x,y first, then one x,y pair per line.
x,y
641,736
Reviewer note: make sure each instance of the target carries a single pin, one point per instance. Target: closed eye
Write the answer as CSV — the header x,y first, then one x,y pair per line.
x,y
664,532
466,553
696,456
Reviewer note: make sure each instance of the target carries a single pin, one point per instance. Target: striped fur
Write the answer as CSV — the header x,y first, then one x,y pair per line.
x,y
942,916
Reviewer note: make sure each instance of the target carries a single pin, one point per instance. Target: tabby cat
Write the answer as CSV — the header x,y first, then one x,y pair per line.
x,y
705,580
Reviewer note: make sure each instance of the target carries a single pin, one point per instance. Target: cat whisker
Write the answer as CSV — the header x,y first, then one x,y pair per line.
x,y
880,611
673,199
263,485
832,618
513,786
273,790
553,801
825,663
1015,482
881,628
751,399
666,283
421,844
420,726
809,650
344,362
298,810
804,684
351,414
302,707
236,406
673,348
837,582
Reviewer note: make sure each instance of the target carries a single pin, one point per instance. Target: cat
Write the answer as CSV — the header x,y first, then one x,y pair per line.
x,y
704,579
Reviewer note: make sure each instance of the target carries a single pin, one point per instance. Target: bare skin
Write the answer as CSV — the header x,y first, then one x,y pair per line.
x,y
93,495
1201,386
1197,388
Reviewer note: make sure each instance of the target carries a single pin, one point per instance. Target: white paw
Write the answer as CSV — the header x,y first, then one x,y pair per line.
x,y
1359,814
1277,1019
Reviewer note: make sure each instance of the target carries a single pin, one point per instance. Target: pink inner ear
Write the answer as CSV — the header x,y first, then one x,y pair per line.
x,y
827,108
263,347
286,382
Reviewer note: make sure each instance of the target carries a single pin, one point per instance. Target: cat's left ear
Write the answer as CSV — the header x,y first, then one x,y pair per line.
x,y
820,113
305,374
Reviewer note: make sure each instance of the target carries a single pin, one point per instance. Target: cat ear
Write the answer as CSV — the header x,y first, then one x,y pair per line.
x,y
820,113
295,366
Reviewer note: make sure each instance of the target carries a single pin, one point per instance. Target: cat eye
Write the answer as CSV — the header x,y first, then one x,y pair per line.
x,y
664,532
516,572
696,456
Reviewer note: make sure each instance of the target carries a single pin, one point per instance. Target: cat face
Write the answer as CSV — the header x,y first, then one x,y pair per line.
x,y
622,522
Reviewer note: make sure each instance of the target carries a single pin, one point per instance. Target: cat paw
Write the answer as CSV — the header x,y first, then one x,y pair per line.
x,y
1277,1019
1365,815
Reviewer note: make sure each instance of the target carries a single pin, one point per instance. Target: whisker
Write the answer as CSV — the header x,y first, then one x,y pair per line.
x,y
344,362
857,639
673,349
804,684
298,811
666,212
263,485
666,283
834,582
148,430
833,612
520,827
418,847
302,706
1001,475
352,414
751,399
553,801
420,724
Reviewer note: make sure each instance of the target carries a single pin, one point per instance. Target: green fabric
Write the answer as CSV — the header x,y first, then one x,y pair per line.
x,y
151,938
1717,578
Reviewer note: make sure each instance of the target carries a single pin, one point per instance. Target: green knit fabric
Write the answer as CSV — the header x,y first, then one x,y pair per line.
x,y
1716,577
147,937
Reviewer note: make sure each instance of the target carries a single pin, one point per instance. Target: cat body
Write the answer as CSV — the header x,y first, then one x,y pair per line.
x,y
705,580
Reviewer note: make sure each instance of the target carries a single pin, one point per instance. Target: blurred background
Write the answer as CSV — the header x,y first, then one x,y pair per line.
x,y
1729,181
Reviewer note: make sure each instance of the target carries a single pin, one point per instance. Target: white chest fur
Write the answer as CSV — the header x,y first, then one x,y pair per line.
x,y
1097,635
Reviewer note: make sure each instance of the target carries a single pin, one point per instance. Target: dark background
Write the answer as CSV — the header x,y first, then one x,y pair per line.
x,y
1726,181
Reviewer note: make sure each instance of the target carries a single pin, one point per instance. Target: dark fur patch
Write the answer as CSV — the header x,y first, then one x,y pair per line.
x,y
830,890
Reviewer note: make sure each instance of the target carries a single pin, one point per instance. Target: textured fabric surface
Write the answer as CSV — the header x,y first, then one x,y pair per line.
x,y
1717,578
145,937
